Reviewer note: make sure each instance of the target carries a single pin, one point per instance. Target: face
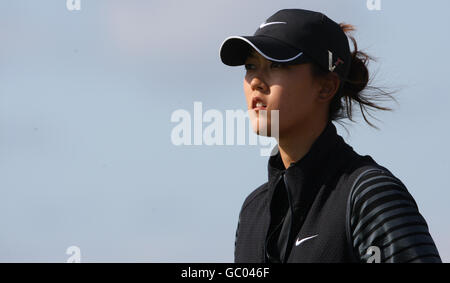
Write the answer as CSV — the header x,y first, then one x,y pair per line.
x,y
277,86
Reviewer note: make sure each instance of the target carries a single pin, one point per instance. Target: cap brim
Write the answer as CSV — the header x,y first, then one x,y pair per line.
x,y
235,49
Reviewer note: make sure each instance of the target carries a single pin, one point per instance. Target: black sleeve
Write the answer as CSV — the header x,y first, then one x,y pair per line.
x,y
385,216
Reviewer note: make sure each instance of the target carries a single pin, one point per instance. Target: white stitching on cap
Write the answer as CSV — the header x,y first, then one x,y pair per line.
x,y
260,52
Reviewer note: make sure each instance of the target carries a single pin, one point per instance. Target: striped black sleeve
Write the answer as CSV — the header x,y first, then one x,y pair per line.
x,y
385,220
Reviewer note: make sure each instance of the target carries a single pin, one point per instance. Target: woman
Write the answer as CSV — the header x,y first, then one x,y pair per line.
x,y
322,202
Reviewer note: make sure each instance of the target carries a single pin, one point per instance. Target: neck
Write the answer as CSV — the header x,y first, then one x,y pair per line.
x,y
296,143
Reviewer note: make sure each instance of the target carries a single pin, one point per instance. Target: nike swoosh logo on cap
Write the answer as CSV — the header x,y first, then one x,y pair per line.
x,y
271,23
305,239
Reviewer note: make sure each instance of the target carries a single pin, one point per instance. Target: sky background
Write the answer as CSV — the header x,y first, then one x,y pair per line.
x,y
86,98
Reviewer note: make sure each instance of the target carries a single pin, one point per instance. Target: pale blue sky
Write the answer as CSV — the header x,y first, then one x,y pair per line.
x,y
85,104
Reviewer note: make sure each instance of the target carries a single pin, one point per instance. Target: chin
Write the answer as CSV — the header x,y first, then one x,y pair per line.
x,y
261,127
262,124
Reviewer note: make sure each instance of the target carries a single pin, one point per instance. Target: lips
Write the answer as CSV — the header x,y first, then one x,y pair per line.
x,y
258,104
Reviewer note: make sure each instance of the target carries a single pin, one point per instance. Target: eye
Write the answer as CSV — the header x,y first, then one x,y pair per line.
x,y
249,66
277,65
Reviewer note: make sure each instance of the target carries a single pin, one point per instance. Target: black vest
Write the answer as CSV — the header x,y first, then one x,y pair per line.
x,y
319,185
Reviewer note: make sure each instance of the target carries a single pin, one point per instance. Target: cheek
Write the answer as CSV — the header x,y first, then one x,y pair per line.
x,y
248,94
295,102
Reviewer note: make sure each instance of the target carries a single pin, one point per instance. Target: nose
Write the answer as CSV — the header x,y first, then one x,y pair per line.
x,y
257,83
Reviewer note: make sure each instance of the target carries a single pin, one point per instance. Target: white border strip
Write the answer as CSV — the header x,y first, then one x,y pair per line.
x,y
257,49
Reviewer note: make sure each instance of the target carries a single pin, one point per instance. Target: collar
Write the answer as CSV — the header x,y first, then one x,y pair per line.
x,y
303,177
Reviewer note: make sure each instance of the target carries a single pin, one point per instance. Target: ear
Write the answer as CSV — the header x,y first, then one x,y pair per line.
x,y
329,87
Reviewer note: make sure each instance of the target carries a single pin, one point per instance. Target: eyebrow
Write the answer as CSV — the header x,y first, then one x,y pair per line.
x,y
252,54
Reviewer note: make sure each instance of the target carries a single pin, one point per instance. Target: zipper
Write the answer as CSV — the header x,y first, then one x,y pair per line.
x,y
284,259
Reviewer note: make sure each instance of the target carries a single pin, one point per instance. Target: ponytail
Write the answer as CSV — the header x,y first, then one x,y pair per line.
x,y
355,86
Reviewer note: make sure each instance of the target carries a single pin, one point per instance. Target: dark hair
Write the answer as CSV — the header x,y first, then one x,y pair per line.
x,y
353,86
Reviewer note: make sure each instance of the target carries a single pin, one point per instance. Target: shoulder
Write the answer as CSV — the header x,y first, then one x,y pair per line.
x,y
375,190
375,185
385,215
255,194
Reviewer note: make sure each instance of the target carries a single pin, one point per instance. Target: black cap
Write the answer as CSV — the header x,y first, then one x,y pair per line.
x,y
293,36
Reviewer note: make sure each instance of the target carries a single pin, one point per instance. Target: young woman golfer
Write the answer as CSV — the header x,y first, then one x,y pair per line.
x,y
322,202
